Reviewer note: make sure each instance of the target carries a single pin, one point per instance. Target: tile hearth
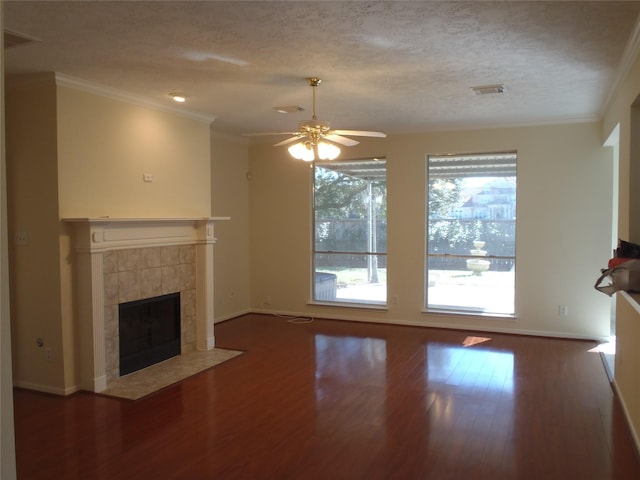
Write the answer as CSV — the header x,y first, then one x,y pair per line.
x,y
156,377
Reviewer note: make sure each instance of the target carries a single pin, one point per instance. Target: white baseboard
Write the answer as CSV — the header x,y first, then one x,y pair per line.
x,y
46,388
534,333
425,323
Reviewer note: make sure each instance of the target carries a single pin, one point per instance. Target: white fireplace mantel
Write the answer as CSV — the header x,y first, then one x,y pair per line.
x,y
106,233
93,237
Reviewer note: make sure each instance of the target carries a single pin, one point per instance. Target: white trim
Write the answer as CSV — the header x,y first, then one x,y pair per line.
x,y
533,333
82,85
472,127
102,234
470,313
345,304
100,383
46,388
427,324
32,80
629,57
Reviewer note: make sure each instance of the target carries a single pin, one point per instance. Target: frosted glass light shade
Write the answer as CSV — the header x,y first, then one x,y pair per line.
x,y
302,151
327,151
308,152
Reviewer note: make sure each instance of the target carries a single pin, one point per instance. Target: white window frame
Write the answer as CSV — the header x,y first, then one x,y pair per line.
x,y
458,166
321,286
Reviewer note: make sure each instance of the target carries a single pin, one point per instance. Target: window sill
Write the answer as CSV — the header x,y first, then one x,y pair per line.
x,y
463,313
363,306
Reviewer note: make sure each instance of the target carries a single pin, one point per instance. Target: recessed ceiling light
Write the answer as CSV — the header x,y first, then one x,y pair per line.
x,y
289,109
178,97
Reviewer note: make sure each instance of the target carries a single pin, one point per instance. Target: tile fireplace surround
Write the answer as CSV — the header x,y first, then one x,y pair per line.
x,y
119,260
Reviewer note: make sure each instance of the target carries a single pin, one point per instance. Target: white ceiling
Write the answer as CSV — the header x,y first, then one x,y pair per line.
x,y
393,66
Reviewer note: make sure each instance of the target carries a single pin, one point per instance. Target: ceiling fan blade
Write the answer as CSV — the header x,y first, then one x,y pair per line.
x,y
361,133
288,140
347,142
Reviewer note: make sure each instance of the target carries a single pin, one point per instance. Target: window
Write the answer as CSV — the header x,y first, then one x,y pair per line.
x,y
350,231
471,233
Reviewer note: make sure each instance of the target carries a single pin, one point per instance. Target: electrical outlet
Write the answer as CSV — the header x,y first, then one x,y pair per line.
x,y
21,238
49,353
563,310
267,300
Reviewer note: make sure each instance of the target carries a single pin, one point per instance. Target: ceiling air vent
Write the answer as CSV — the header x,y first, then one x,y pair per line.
x,y
14,39
488,89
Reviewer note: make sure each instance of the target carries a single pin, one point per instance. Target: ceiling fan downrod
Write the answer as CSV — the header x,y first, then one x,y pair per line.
x,y
314,82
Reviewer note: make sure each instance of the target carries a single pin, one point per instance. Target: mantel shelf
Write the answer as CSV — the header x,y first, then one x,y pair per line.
x,y
110,220
110,233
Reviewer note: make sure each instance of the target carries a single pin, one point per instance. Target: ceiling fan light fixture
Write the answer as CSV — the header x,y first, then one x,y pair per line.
x,y
302,151
309,151
315,139
328,151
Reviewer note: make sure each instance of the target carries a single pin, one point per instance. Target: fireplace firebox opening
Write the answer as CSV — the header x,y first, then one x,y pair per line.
x,y
149,331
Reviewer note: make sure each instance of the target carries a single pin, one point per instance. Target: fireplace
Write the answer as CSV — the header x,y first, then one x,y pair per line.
x,y
122,260
149,331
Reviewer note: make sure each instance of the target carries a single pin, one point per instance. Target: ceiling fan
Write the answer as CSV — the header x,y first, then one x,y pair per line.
x,y
315,138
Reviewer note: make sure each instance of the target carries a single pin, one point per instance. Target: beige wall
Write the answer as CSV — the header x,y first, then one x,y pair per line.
x,y
7,440
230,198
33,208
564,228
619,113
628,359
77,154
104,148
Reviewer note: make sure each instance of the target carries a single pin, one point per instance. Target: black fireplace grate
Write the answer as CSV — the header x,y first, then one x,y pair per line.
x,y
149,331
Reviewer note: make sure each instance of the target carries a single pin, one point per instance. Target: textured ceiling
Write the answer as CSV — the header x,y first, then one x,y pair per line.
x,y
392,66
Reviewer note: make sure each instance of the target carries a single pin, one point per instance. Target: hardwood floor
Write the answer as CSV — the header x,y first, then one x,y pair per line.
x,y
341,400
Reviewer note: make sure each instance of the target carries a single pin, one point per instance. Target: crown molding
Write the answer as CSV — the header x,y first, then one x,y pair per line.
x,y
79,84
475,126
629,57
31,80
59,79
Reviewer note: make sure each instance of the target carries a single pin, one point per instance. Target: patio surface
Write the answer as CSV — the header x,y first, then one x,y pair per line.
x,y
490,292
